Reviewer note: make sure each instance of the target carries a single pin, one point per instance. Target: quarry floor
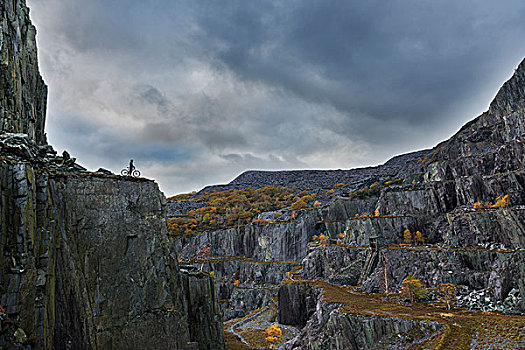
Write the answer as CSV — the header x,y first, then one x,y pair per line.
x,y
462,329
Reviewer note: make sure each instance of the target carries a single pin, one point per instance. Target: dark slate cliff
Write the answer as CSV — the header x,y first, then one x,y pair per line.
x,y
85,259
22,90
87,263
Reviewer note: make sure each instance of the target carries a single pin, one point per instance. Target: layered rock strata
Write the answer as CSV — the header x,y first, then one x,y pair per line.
x,y
23,94
85,258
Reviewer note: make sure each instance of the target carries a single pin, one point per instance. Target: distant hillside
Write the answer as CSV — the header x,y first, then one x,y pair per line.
x,y
322,179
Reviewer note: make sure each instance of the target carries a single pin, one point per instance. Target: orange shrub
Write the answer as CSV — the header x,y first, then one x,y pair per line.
x,y
261,221
321,239
300,204
274,334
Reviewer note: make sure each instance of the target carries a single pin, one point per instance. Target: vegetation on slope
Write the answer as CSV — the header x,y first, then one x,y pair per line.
x,y
236,207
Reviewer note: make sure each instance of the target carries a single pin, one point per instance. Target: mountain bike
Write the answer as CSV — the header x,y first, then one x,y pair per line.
x,y
128,172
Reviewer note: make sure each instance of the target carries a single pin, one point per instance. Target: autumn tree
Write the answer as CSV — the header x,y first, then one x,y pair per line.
x,y
273,335
407,236
413,288
376,212
419,237
447,293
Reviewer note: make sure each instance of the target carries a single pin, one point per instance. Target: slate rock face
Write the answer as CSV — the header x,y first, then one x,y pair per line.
x,y
87,262
23,94
328,328
85,258
297,303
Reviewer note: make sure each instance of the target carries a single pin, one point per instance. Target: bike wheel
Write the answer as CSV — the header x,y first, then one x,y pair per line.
x,y
136,173
124,172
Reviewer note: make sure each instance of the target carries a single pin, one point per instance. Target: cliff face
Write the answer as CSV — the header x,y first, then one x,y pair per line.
x,y
85,259
22,91
89,265
330,292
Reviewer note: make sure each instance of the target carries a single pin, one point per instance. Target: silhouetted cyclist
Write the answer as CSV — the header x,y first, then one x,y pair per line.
x,y
131,170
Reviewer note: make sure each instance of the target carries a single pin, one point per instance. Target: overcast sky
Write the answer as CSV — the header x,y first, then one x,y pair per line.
x,y
198,91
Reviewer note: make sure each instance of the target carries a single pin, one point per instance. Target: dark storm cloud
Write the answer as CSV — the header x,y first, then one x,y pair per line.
x,y
199,91
390,60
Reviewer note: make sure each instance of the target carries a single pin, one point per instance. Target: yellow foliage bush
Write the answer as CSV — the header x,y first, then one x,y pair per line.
x,y
374,185
481,205
321,239
413,288
317,204
502,202
274,334
419,237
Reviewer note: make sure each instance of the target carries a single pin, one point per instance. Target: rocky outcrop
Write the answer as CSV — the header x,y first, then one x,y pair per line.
x,y
85,258
511,96
22,91
297,303
333,329
262,242
90,264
